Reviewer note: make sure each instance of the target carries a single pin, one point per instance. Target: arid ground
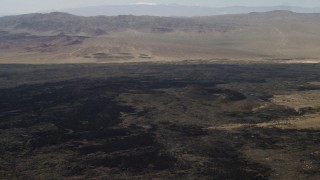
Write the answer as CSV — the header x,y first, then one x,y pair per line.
x,y
160,120
59,38
143,97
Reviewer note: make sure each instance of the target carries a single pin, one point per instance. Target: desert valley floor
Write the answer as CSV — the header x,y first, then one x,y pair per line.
x,y
146,97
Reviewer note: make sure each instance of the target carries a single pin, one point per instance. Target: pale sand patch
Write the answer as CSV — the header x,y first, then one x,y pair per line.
x,y
284,165
309,121
302,61
229,126
299,100
316,83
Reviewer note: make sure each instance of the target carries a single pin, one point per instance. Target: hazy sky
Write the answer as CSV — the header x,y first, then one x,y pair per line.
x,y
27,6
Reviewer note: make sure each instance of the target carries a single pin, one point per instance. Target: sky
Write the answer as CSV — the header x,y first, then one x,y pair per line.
x,y
30,6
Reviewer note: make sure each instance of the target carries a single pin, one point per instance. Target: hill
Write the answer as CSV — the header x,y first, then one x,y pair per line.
x,y
178,10
58,22
275,35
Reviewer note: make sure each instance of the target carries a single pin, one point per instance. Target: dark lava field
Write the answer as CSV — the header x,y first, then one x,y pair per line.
x,y
166,121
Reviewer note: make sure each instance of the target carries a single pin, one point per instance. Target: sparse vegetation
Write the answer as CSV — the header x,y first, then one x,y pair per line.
x,y
63,38
146,120
143,97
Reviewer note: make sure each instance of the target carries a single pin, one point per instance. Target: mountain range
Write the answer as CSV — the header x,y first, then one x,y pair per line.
x,y
59,22
62,37
178,10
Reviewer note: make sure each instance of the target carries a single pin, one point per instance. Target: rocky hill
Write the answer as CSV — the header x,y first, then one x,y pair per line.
x,y
178,10
58,22
100,25
62,37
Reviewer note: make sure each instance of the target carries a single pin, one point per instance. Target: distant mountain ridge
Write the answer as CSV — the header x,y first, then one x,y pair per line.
x,y
178,10
58,22
63,37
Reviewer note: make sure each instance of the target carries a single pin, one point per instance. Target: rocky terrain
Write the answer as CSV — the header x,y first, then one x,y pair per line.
x,y
57,38
146,97
57,22
177,10
145,120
